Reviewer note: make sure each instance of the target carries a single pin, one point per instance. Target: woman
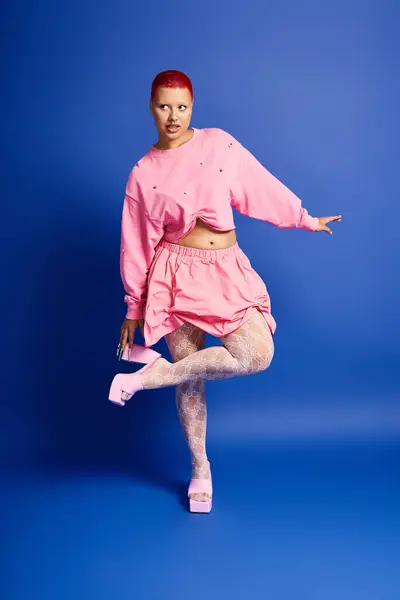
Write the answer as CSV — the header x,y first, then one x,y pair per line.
x,y
183,271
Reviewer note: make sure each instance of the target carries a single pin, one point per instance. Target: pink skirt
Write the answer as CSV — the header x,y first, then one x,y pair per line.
x,y
215,290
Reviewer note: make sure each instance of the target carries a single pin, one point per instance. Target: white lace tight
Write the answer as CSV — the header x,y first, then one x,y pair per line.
x,y
247,350
190,396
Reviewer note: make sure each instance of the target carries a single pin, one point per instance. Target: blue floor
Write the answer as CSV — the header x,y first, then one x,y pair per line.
x,y
296,521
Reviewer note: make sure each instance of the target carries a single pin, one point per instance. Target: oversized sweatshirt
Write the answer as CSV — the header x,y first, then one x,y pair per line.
x,y
204,178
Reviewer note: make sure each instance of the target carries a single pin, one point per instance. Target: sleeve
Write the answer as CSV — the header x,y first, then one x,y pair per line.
x,y
257,193
139,238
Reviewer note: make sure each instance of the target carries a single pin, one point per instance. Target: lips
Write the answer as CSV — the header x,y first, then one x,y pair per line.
x,y
172,128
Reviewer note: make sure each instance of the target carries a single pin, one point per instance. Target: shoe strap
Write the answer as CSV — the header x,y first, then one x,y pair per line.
x,y
200,486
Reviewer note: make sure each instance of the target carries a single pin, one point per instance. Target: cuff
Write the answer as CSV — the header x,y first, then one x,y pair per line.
x,y
308,222
135,314
134,310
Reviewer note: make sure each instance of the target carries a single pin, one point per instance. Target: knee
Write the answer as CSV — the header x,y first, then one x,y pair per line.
x,y
259,361
264,361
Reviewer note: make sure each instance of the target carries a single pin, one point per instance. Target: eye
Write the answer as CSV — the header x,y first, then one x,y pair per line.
x,y
165,106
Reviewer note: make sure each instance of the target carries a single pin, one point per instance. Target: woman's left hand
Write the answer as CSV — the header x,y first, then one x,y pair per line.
x,y
323,222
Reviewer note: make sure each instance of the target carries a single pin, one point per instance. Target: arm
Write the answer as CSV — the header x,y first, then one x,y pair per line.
x,y
257,193
139,237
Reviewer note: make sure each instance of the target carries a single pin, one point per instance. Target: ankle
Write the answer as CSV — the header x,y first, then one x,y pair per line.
x,y
201,469
151,373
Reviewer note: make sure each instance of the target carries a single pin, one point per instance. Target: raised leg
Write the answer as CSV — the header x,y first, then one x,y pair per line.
x,y
247,350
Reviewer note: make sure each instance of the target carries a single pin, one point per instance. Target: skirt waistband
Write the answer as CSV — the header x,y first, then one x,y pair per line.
x,y
202,253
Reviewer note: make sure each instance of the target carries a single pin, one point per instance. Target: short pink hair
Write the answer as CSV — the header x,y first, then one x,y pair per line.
x,y
171,79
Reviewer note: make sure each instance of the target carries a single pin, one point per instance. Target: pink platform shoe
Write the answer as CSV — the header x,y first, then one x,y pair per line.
x,y
130,382
200,486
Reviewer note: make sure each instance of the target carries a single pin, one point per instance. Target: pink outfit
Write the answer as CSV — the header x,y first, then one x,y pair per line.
x,y
167,284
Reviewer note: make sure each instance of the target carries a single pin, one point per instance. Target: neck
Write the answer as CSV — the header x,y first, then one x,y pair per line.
x,y
164,143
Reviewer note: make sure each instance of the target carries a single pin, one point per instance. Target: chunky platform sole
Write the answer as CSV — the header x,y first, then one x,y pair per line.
x,y
130,382
195,506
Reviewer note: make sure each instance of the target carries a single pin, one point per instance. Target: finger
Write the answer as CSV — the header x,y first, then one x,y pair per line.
x,y
124,337
131,336
325,228
335,218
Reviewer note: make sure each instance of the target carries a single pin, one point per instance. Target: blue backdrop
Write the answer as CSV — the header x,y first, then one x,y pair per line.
x,y
311,89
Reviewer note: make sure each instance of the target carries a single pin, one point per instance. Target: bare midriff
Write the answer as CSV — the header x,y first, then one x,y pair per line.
x,y
204,237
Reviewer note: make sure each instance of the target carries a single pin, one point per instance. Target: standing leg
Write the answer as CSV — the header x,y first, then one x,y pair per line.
x,y
191,402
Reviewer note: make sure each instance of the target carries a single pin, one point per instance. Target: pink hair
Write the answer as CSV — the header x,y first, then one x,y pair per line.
x,y
171,79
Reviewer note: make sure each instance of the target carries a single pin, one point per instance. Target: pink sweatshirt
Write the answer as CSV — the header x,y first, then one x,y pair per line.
x,y
168,190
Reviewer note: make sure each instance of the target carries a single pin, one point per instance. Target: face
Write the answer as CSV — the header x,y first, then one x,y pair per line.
x,y
172,110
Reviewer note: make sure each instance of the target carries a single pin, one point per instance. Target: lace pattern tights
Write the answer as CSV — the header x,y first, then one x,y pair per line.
x,y
247,350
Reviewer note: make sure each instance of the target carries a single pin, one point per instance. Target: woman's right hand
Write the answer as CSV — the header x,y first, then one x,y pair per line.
x,y
128,332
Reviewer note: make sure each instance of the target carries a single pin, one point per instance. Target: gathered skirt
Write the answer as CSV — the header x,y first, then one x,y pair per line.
x,y
215,290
